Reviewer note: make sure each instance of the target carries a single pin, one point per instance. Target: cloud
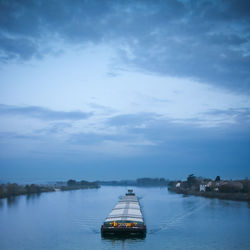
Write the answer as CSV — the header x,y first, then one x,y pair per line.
x,y
240,116
16,136
101,108
161,145
11,47
204,40
54,128
132,119
42,113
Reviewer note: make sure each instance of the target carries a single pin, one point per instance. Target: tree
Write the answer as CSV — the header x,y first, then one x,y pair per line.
x,y
1,191
217,178
12,189
231,187
71,182
191,180
33,188
84,183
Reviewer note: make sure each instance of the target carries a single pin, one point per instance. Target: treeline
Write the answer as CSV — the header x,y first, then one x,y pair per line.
x,y
13,189
117,183
152,182
206,184
73,184
149,182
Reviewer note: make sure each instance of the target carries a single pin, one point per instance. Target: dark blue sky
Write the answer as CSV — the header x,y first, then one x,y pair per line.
x,y
124,89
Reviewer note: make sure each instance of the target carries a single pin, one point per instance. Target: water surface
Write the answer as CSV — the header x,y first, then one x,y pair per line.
x,y
72,220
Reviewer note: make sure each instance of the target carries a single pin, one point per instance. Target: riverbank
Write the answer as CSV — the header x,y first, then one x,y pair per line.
x,y
13,189
213,194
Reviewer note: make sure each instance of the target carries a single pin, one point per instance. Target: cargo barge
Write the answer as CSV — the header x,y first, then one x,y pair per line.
x,y
125,218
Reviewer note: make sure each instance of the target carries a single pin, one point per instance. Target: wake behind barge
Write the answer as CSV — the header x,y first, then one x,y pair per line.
x,y
125,218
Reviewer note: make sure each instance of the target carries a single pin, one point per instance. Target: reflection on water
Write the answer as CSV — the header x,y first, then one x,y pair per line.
x,y
1,203
32,197
123,242
123,237
72,220
111,238
12,201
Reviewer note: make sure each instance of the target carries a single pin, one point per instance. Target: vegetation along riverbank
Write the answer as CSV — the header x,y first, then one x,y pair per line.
x,y
238,190
14,189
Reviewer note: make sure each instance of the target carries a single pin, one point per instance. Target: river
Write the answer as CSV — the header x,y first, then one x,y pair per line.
x,y
72,219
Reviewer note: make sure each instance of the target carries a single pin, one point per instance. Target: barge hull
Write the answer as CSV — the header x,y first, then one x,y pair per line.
x,y
140,231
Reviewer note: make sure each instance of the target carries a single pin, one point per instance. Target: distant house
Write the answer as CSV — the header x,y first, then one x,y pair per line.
x,y
209,184
202,187
178,185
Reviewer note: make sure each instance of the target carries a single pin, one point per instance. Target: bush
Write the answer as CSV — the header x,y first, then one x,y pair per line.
x,y
71,182
31,189
217,178
231,187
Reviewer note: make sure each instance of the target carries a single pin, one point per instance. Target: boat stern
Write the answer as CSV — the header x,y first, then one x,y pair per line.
x,y
121,230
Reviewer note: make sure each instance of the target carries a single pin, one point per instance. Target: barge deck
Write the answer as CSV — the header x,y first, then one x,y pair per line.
x,y
125,218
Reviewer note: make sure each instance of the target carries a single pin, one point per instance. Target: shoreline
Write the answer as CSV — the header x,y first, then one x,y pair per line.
x,y
38,189
47,191
12,189
213,195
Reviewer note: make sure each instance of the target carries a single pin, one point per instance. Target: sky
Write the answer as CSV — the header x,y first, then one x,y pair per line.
x,y
102,90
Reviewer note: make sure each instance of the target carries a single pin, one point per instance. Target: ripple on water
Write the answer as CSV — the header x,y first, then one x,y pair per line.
x,y
177,220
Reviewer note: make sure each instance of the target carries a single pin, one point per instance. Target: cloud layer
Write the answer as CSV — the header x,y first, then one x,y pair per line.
x,y
204,40
42,113
154,86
